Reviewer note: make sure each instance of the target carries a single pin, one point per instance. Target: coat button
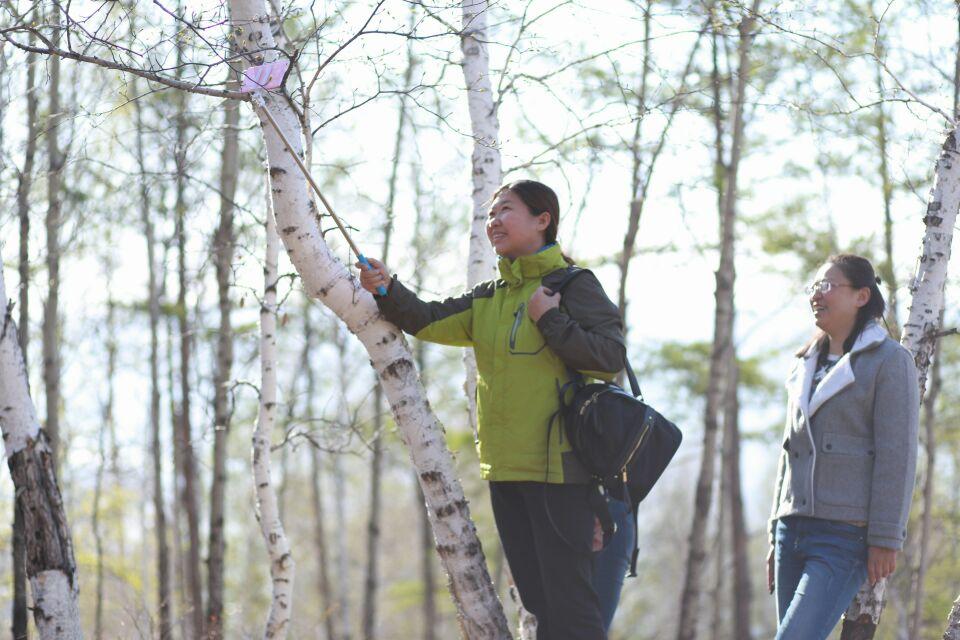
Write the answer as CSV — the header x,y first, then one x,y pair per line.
x,y
803,502
796,454
829,447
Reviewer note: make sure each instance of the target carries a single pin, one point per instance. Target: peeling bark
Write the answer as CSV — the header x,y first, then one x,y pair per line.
x,y
50,564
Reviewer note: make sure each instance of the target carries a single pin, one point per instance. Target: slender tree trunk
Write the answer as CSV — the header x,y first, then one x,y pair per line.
x,y
722,343
282,566
717,623
430,618
51,567
742,589
919,333
222,408
636,151
485,162
24,184
188,481
340,528
153,305
107,420
953,622
371,583
51,308
886,186
324,277
316,495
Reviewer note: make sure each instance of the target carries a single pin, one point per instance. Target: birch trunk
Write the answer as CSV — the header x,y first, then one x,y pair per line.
x,y
222,410
327,279
485,162
50,565
720,355
953,622
282,566
919,332
24,184
153,305
51,308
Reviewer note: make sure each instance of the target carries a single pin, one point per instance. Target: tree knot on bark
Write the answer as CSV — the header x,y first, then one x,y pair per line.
x,y
399,368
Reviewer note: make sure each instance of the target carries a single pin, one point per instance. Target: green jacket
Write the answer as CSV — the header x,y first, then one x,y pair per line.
x,y
521,364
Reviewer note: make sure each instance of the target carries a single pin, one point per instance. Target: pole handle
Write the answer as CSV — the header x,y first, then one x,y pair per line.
x,y
365,264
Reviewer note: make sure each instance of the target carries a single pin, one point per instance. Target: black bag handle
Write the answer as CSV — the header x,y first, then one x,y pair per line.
x,y
573,272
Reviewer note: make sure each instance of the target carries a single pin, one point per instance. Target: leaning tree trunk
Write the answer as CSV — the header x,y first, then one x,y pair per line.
x,y
327,279
485,162
721,353
278,547
919,333
51,567
24,183
222,411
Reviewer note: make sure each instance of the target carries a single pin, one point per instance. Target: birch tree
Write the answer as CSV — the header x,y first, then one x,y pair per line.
x,y
24,184
485,161
327,279
722,353
282,567
50,564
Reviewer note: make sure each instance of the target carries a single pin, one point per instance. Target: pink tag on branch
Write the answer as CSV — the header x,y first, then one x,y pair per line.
x,y
264,76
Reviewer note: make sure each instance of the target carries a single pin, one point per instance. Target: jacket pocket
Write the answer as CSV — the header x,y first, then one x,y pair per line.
x,y
845,470
524,339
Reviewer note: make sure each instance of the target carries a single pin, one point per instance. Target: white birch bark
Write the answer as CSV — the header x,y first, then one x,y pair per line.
x,y
919,332
485,162
327,279
51,567
953,622
282,566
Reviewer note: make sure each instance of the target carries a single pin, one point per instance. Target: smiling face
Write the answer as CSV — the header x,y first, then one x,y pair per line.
x,y
512,228
835,312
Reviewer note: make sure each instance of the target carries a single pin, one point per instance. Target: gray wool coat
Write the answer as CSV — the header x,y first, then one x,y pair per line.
x,y
850,451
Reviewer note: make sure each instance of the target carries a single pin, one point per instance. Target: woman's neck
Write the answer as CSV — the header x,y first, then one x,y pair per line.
x,y
838,338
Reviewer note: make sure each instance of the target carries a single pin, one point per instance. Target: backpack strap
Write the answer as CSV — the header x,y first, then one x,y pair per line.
x,y
572,272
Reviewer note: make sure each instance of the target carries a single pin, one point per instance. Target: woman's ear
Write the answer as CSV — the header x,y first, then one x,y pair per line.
x,y
863,296
543,221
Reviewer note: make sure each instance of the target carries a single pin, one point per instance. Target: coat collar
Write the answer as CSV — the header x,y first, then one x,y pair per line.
x,y
839,377
534,266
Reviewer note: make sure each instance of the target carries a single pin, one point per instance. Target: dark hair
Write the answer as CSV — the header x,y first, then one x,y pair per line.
x,y
861,275
539,198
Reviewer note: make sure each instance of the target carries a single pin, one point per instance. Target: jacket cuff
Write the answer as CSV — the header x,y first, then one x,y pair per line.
x,y
890,536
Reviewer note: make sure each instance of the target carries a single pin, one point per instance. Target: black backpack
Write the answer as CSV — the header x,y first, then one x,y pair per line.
x,y
622,442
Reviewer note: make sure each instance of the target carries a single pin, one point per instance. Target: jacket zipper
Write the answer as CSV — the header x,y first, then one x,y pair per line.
x,y
517,317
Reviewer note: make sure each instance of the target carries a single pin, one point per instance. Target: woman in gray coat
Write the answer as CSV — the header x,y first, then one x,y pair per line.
x,y
846,472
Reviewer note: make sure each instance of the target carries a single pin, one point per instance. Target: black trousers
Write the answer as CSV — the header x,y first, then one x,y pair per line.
x,y
547,532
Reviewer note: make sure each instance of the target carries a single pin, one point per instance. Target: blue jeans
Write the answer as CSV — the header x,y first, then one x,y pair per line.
x,y
610,565
820,566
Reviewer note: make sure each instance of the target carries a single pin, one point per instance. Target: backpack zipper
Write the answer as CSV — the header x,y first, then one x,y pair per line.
x,y
517,317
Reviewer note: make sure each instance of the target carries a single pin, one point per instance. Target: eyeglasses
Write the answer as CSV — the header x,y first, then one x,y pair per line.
x,y
823,287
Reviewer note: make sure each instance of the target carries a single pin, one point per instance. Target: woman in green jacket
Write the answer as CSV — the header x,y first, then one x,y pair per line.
x,y
526,344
